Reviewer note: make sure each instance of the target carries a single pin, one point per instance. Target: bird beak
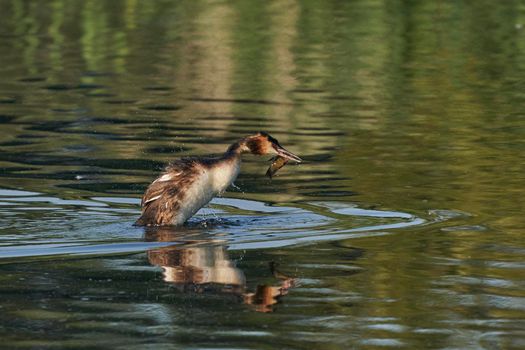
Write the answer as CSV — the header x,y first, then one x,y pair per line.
x,y
286,154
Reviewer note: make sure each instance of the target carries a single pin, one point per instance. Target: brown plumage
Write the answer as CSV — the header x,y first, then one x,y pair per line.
x,y
187,184
170,188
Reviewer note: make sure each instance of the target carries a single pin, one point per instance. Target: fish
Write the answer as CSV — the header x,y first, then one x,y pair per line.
x,y
277,163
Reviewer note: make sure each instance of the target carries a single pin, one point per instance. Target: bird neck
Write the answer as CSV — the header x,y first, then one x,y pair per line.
x,y
237,148
226,170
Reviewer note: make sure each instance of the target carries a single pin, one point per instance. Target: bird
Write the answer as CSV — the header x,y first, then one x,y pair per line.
x,y
189,183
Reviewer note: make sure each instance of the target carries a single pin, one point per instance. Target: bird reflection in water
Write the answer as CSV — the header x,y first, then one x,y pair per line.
x,y
203,266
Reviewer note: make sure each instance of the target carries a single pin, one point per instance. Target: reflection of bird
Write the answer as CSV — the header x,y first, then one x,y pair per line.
x,y
190,183
190,267
266,296
208,269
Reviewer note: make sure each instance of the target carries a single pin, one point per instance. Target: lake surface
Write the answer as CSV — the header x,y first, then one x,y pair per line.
x,y
403,227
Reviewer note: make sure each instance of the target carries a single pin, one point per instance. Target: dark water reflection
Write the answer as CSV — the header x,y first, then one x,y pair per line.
x,y
403,227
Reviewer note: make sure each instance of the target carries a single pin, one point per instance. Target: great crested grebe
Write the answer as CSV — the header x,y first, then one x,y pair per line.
x,y
190,183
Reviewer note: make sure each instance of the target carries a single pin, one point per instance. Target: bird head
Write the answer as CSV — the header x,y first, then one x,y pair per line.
x,y
262,143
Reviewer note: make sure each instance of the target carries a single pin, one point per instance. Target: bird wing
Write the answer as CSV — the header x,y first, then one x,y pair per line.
x,y
176,177
163,197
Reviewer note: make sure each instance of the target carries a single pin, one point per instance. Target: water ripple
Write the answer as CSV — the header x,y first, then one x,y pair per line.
x,y
103,225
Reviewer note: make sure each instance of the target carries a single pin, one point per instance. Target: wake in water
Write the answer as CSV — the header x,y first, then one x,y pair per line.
x,y
35,225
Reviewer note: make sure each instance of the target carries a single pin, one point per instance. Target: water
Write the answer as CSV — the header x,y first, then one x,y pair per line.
x,y
402,228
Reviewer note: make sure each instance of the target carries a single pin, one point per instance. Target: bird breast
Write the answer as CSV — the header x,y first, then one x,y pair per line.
x,y
207,185
196,196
